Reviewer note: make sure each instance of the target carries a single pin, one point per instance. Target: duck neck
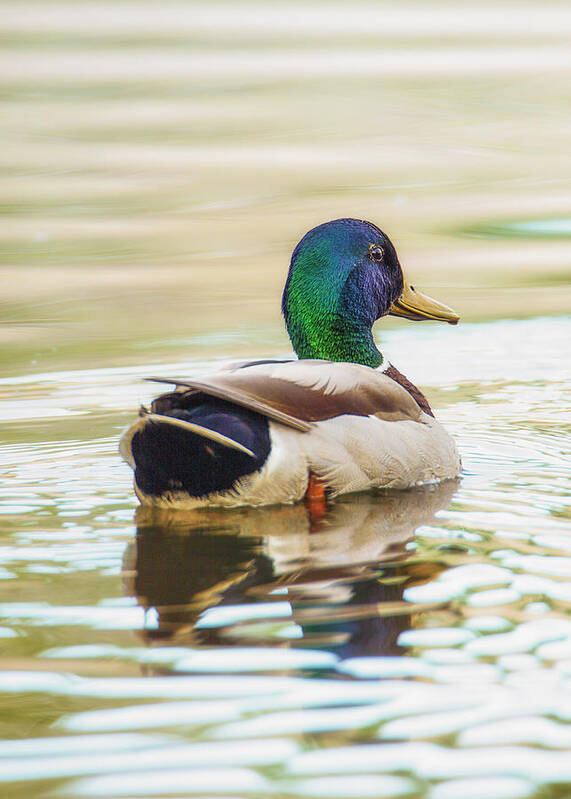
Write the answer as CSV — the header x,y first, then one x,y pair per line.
x,y
333,343
332,338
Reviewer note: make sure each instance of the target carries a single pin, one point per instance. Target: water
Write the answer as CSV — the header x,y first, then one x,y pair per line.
x,y
159,165
411,643
161,162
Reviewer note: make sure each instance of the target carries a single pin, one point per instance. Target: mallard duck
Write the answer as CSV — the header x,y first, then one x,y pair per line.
x,y
338,420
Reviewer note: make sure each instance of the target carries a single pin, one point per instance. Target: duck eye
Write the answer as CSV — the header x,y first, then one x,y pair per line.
x,y
376,252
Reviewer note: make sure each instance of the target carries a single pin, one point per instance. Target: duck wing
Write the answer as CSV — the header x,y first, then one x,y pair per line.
x,y
297,393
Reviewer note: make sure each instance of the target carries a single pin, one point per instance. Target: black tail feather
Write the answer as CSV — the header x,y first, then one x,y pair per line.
x,y
169,458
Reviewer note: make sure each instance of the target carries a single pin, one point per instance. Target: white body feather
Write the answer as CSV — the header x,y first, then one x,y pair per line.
x,y
350,453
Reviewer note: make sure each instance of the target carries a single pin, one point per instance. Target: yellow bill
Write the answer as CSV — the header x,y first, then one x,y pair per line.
x,y
412,304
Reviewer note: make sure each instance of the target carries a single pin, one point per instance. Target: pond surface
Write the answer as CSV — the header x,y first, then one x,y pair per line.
x,y
411,643
159,163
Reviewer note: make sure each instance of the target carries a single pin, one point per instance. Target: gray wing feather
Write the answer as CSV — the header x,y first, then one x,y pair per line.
x,y
297,393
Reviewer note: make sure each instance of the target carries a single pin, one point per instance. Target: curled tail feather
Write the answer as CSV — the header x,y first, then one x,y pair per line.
x,y
197,451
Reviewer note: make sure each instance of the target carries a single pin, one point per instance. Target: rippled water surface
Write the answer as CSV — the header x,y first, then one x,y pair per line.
x,y
159,163
411,643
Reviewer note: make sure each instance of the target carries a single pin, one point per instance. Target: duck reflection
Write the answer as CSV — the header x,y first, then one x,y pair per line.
x,y
342,573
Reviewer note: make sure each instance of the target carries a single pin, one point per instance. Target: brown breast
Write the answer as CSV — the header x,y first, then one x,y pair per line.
x,y
414,392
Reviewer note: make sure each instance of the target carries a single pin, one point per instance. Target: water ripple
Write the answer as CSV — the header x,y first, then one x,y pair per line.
x,y
412,643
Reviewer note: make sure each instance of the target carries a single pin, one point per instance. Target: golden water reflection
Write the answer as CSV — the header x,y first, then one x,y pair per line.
x,y
160,164
160,161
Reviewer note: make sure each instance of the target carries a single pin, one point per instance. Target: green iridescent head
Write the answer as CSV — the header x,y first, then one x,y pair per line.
x,y
343,276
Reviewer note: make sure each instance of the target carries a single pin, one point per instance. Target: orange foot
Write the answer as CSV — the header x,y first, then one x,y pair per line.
x,y
315,501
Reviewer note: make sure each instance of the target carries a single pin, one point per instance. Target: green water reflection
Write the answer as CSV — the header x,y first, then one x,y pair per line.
x,y
556,228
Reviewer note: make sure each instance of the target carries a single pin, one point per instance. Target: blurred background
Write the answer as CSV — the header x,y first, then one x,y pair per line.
x,y
160,162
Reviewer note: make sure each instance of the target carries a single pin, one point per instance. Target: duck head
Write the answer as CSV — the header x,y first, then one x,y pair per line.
x,y
343,276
